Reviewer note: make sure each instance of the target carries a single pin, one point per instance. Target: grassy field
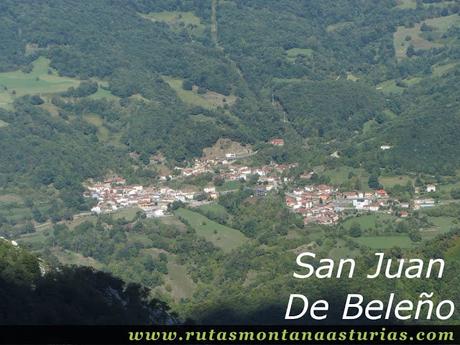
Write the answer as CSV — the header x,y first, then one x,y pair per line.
x,y
389,86
10,198
440,70
293,53
391,181
178,281
214,208
34,241
209,100
340,250
447,188
368,221
340,175
128,213
102,93
12,208
385,242
178,20
103,133
38,81
443,223
338,26
401,44
442,24
440,4
67,257
407,4
453,253
182,286
417,39
229,185
352,77
222,236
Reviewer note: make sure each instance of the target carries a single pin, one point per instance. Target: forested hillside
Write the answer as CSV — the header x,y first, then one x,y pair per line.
x,y
163,75
32,292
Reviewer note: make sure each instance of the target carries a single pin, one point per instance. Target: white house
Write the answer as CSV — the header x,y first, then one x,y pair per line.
x,y
359,204
96,209
430,188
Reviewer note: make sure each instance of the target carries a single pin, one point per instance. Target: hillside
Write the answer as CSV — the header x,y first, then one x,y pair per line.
x,y
33,292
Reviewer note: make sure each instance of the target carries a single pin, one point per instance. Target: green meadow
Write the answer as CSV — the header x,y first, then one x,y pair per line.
x,y
442,24
102,92
391,181
209,99
371,222
453,253
214,208
220,235
293,53
407,4
229,185
42,80
182,286
177,20
385,242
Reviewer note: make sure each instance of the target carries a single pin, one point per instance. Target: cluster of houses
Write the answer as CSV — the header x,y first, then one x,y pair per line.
x,y
314,203
113,194
268,175
324,204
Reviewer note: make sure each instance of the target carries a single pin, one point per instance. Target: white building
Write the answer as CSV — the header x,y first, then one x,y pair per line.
x,y
359,204
96,209
430,188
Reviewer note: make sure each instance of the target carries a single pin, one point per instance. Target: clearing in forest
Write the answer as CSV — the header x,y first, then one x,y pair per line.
x,y
42,80
208,99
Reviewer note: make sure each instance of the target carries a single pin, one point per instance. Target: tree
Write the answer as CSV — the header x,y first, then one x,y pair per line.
x,y
175,205
455,193
373,182
187,85
218,181
38,216
29,228
415,235
355,230
410,51
144,158
425,27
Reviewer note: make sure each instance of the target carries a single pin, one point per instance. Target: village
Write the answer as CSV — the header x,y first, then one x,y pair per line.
x,y
316,203
114,193
324,204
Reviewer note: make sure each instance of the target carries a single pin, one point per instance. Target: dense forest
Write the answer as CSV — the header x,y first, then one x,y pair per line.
x,y
291,72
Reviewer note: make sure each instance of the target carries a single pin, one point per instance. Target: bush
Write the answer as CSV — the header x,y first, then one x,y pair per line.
x,y
187,85
455,193
355,230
